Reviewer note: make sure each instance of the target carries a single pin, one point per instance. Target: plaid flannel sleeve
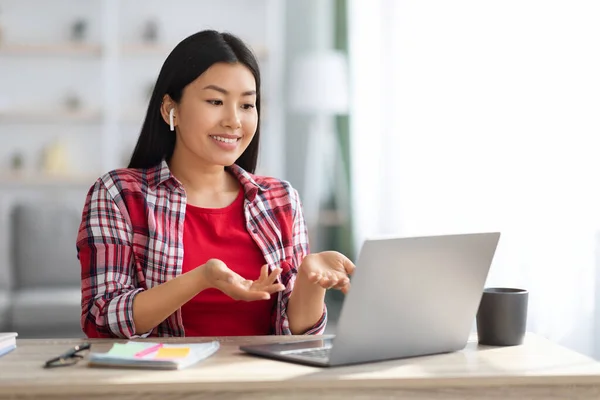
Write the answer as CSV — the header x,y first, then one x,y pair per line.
x,y
301,249
105,252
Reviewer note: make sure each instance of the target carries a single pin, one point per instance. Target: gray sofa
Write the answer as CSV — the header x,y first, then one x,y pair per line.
x,y
39,272
4,298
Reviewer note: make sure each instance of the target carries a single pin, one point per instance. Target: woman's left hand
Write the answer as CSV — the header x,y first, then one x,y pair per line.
x,y
328,269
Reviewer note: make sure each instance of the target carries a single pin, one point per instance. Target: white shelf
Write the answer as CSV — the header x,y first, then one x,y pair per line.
x,y
163,50
145,49
60,49
49,116
83,49
9,178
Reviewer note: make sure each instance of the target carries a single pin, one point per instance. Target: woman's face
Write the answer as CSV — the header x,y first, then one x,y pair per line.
x,y
216,118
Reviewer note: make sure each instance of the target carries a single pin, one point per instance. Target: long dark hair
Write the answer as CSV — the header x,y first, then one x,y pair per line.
x,y
188,60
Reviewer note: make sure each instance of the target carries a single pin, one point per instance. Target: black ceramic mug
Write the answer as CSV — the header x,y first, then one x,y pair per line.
x,y
502,316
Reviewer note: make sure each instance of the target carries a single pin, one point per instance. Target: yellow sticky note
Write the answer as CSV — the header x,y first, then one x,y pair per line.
x,y
172,352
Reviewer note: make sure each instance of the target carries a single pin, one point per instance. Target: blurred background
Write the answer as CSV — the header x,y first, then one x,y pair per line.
x,y
75,80
391,117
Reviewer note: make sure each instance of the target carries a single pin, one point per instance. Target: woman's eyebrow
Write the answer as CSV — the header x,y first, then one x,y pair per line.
x,y
225,92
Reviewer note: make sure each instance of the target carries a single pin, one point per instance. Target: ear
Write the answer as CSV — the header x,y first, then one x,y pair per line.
x,y
165,109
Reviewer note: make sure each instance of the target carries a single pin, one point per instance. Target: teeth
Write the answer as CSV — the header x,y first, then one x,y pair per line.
x,y
225,140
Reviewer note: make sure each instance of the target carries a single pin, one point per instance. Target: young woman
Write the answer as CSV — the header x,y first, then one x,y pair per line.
x,y
187,241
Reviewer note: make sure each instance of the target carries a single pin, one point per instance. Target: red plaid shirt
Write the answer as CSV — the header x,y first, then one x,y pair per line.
x,y
131,239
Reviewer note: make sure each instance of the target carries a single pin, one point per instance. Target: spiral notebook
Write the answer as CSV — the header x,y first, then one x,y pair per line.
x,y
8,342
151,355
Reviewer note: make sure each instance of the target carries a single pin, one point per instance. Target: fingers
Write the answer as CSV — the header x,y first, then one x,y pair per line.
x,y
346,288
265,278
349,266
268,283
329,280
343,285
264,271
313,277
277,287
273,275
238,288
249,291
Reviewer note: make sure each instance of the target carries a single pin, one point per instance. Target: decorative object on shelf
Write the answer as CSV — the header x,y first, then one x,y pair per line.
x,y
72,102
56,49
78,30
150,31
17,162
54,160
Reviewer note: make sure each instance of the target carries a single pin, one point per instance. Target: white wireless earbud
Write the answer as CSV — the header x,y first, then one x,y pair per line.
x,y
171,119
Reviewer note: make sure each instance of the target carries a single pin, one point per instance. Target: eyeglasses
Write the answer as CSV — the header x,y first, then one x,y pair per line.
x,y
71,357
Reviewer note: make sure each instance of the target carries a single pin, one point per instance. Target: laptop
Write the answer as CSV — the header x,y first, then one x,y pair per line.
x,y
409,296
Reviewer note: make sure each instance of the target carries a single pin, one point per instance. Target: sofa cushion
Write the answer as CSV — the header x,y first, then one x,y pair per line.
x,y
52,312
44,253
6,281
4,306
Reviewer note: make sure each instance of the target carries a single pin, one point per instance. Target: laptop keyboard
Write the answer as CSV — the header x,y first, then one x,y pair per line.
x,y
323,352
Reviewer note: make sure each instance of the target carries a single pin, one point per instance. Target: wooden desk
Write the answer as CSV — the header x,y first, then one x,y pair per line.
x,y
537,370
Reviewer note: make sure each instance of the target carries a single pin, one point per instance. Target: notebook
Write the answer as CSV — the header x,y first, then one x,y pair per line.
x,y
153,355
8,342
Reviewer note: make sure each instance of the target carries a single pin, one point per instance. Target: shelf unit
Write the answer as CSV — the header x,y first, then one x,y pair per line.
x,y
143,49
114,97
55,49
25,179
58,116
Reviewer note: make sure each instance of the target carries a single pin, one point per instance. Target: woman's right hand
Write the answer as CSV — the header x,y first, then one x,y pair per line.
x,y
216,274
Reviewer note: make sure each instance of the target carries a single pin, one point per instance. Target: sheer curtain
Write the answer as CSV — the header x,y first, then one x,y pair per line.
x,y
472,115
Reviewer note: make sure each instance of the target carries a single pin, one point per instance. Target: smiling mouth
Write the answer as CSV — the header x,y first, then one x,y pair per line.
x,y
225,140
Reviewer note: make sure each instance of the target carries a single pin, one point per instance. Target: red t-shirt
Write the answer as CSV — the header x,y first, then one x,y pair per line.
x,y
221,233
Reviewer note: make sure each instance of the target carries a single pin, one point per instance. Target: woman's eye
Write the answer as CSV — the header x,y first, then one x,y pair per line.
x,y
248,106
215,102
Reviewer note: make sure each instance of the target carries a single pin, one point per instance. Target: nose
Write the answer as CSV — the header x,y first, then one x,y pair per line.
x,y
232,119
